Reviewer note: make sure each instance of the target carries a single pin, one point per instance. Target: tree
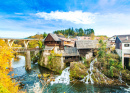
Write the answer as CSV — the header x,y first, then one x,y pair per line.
x,y
33,44
81,32
101,38
102,49
92,36
72,32
6,84
40,44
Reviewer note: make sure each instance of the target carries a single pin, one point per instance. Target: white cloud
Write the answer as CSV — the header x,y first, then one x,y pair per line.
x,y
77,17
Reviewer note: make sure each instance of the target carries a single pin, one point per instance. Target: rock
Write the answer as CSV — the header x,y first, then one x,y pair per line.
x,y
77,70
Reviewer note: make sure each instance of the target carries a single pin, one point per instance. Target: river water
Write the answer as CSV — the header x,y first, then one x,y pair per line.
x,y
32,84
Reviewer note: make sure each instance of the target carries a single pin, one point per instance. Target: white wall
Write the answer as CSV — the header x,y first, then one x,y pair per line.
x,y
123,47
119,52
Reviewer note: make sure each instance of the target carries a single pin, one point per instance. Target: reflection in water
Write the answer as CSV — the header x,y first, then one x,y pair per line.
x,y
32,82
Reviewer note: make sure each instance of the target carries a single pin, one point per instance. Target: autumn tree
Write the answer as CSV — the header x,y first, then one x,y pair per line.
x,y
6,84
33,44
92,36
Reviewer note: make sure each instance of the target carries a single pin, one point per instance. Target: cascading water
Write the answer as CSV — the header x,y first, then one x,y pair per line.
x,y
96,75
127,89
63,78
32,84
120,77
88,77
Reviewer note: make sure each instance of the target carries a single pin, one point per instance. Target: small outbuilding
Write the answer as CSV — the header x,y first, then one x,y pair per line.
x,y
86,47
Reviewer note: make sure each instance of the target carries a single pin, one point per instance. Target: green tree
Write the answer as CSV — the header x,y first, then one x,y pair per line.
x,y
44,35
102,49
40,44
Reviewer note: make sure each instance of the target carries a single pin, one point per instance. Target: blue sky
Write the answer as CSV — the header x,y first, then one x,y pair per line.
x,y
22,18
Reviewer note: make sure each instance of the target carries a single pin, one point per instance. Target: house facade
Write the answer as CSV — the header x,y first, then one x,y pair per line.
x,y
52,40
112,40
86,47
61,45
123,49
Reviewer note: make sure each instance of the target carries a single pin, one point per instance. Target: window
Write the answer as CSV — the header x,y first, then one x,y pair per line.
x,y
126,45
113,41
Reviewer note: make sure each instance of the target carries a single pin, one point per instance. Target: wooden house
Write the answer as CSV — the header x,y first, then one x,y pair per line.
x,y
86,47
58,44
53,40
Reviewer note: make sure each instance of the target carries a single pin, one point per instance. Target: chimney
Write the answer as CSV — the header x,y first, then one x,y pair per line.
x,y
126,37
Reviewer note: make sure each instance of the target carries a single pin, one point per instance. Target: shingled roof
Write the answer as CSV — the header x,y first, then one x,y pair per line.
x,y
55,37
86,44
123,38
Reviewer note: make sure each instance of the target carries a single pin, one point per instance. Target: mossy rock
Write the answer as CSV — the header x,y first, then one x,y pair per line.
x,y
77,70
94,71
94,79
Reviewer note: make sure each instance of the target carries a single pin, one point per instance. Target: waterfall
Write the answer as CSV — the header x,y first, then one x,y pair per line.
x,y
96,75
120,77
88,77
63,78
127,89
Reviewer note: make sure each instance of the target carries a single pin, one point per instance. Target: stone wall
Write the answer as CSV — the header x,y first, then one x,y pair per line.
x,y
88,55
54,63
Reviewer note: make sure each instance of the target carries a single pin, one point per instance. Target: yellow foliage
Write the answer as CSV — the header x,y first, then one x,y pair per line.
x,y
60,34
92,36
55,54
16,45
59,55
112,48
33,44
52,51
6,84
101,38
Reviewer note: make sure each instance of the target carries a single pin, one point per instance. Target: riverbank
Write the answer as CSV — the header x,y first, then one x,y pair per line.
x,y
31,82
93,75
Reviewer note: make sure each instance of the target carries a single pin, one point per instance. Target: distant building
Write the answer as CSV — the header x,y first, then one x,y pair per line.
x,y
112,40
123,49
67,42
88,38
